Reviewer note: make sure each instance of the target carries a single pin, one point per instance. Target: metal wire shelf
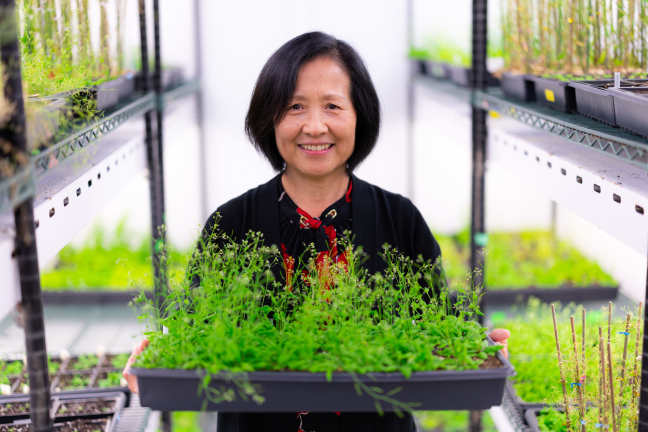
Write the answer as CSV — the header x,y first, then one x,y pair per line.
x,y
16,189
573,127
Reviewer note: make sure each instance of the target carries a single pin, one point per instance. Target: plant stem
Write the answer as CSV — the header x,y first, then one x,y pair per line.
x,y
625,353
105,49
609,339
560,366
602,385
611,381
577,377
583,339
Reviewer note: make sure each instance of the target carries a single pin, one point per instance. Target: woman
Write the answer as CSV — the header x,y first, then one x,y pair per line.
x,y
315,116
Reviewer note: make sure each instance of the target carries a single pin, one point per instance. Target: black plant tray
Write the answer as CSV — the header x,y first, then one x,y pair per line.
x,y
180,390
631,109
118,398
92,297
437,70
531,418
561,294
462,75
23,425
518,87
594,101
554,94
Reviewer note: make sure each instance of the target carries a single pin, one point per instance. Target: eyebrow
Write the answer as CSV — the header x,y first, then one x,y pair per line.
x,y
327,96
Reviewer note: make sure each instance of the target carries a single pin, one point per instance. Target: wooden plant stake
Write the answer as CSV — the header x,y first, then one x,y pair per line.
x,y
636,380
560,366
625,353
611,381
583,341
636,353
610,322
602,392
577,378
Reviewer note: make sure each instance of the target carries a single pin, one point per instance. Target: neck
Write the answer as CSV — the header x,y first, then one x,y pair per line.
x,y
314,194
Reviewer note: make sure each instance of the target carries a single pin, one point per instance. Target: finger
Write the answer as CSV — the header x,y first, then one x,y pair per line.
x,y
500,335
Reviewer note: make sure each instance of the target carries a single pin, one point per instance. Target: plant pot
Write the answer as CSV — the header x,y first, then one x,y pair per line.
x,y
631,109
107,94
554,94
594,101
43,117
563,294
518,87
170,78
417,67
126,87
437,69
180,390
460,75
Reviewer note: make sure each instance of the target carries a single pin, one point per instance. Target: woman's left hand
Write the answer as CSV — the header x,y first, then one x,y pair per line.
x,y
500,337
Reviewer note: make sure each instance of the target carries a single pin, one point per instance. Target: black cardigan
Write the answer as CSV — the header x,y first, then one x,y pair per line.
x,y
379,217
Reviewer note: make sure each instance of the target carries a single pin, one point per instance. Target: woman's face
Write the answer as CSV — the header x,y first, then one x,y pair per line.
x,y
317,135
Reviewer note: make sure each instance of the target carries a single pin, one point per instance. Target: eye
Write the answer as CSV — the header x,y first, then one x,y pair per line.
x,y
295,107
332,106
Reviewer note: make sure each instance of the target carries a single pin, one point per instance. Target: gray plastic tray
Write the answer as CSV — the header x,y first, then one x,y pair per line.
x,y
179,390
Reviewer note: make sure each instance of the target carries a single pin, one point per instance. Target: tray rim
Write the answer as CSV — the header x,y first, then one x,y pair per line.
x,y
507,370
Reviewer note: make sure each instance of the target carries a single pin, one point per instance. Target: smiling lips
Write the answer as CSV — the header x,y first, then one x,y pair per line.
x,y
318,147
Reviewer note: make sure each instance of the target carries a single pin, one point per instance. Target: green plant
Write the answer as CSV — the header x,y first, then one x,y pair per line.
x,y
532,350
78,382
335,318
85,362
185,421
450,421
119,360
113,379
103,263
575,36
521,260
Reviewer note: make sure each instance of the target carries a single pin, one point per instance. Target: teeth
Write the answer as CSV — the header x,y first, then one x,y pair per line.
x,y
320,147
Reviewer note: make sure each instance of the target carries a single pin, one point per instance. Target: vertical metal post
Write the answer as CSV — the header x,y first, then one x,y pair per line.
x,y
643,392
26,252
412,70
159,261
202,150
154,167
479,81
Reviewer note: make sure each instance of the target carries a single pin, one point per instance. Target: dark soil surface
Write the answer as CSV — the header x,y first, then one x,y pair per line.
x,y
491,362
66,381
90,407
81,426
14,408
12,428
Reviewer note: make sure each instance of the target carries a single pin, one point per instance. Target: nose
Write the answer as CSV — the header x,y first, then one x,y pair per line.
x,y
315,125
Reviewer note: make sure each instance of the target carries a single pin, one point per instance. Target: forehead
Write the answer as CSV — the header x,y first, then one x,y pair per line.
x,y
322,75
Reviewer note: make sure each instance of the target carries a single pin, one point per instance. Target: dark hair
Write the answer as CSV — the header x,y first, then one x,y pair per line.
x,y
276,85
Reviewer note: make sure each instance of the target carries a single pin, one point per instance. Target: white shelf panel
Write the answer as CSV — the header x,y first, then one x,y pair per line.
x,y
603,190
70,195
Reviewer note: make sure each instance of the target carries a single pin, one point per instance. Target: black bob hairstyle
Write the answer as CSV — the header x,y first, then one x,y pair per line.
x,y
276,85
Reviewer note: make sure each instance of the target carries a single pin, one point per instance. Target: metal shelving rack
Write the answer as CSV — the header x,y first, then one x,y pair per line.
x,y
57,192
598,172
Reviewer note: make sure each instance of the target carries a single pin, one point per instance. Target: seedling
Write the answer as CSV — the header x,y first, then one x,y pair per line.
x,y
333,318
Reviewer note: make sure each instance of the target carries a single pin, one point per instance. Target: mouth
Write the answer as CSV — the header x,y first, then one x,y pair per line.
x,y
316,147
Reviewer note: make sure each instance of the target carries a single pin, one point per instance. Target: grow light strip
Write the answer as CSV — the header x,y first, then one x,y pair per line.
x,y
605,139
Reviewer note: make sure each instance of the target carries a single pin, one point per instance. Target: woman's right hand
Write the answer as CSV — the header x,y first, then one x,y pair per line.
x,y
132,379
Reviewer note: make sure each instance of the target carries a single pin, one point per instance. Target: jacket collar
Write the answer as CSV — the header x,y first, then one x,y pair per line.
x,y
363,225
